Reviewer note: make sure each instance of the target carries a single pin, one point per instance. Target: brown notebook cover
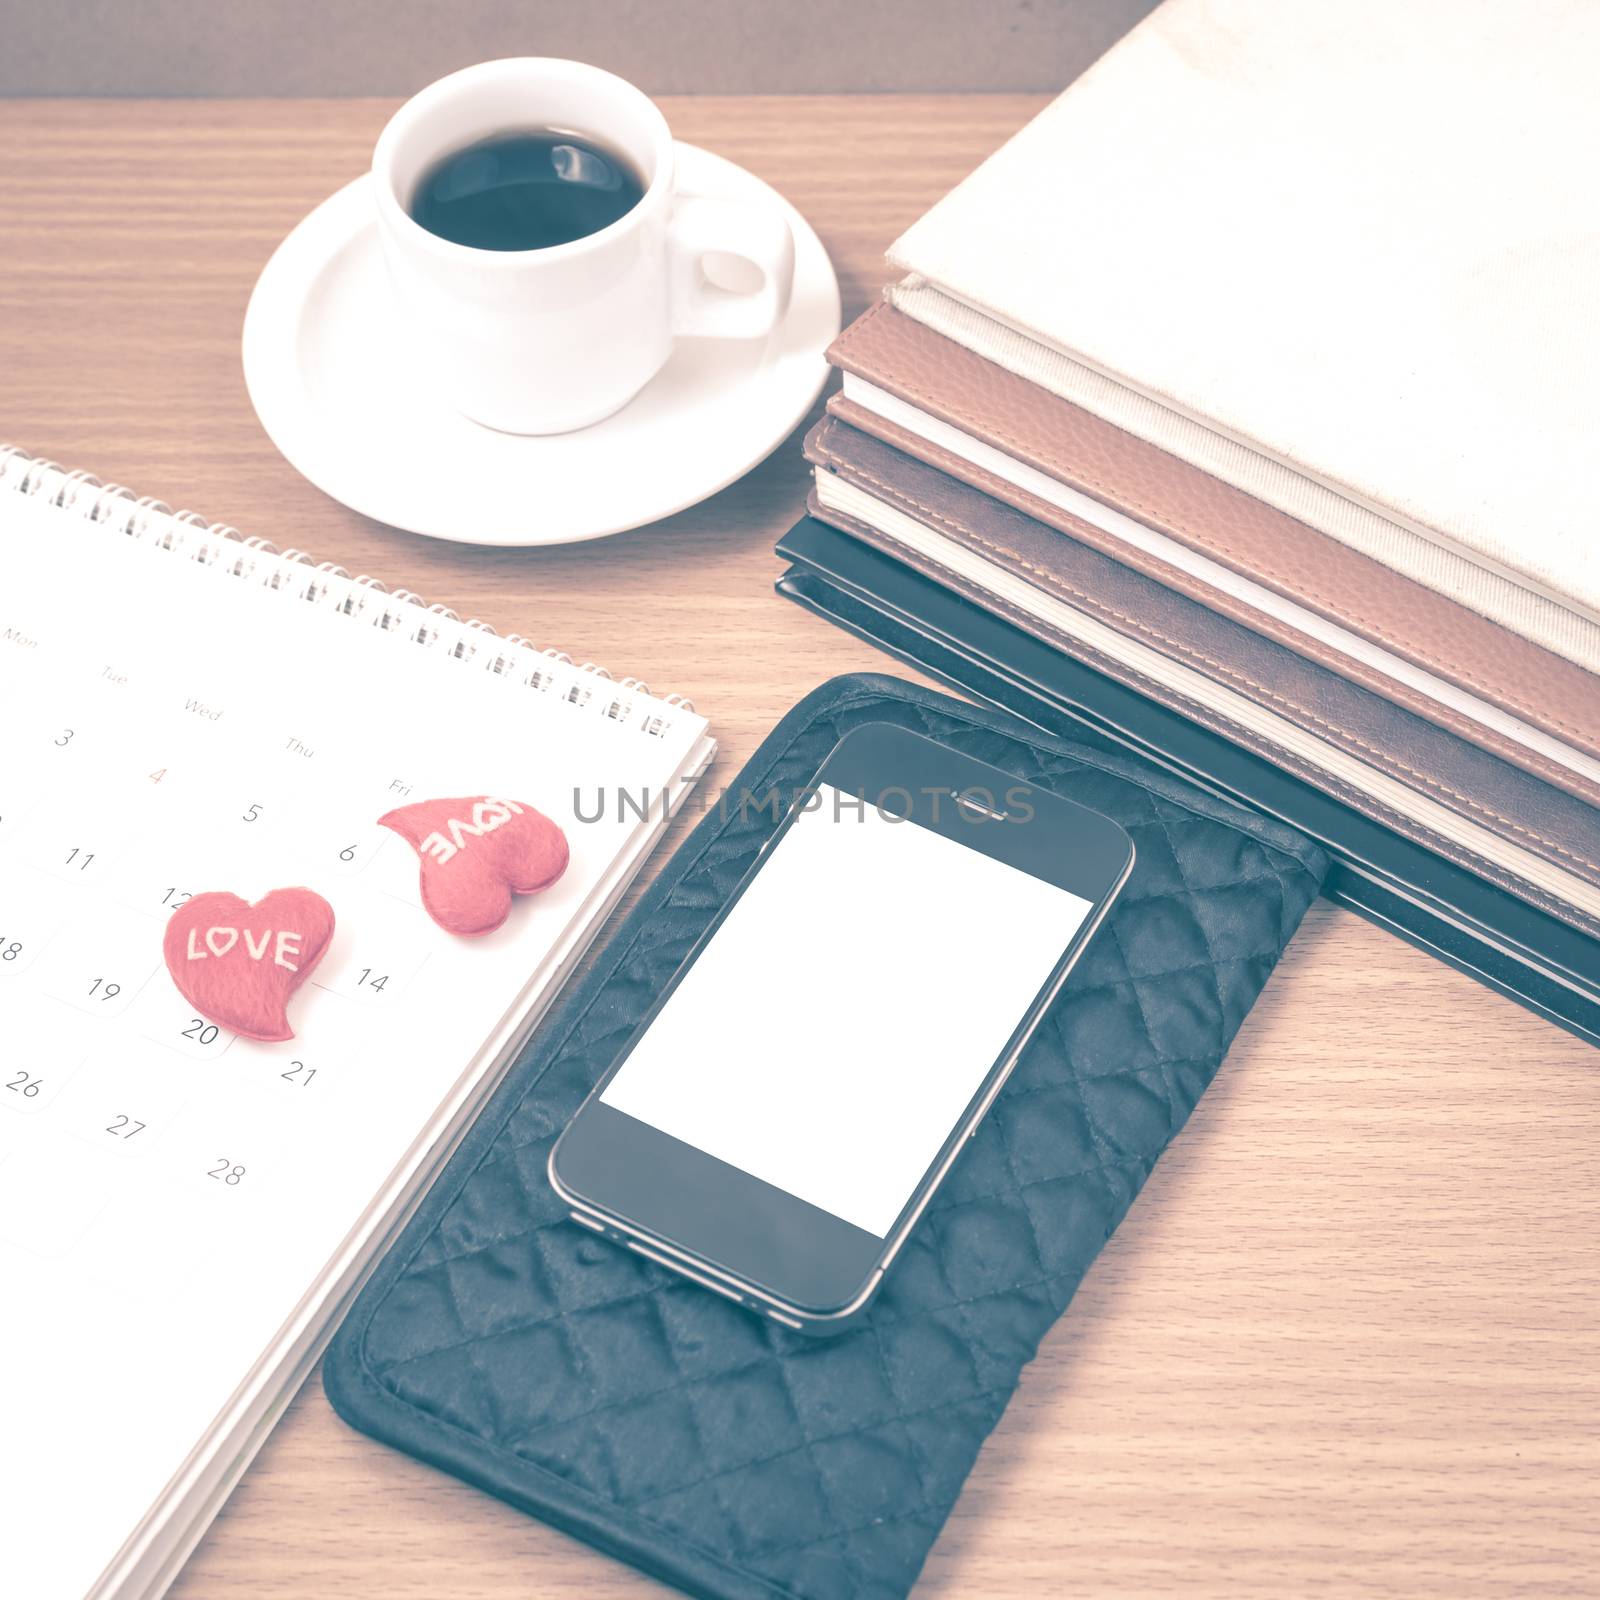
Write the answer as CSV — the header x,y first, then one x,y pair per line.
x,y
1500,798
911,361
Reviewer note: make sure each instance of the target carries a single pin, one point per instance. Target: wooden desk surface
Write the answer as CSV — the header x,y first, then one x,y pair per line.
x,y
1349,1338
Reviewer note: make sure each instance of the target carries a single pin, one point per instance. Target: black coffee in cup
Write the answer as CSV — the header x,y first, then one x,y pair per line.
x,y
526,190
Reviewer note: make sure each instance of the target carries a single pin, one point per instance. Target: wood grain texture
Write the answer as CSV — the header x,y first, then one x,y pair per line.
x,y
1348,1340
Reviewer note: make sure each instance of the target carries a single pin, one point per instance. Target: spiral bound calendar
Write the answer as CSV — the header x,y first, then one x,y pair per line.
x,y
184,1213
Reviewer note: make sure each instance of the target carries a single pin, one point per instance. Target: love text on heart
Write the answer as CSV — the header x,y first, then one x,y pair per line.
x,y
282,942
486,816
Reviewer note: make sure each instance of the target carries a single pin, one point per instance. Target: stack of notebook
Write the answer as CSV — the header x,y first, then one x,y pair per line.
x,y
1243,406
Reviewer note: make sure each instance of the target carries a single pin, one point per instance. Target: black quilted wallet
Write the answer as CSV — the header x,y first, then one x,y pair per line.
x,y
717,1451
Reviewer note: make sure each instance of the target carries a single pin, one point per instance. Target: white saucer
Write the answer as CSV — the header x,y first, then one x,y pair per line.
x,y
337,398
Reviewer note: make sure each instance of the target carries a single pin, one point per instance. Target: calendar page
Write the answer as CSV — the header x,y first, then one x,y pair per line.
x,y
177,1204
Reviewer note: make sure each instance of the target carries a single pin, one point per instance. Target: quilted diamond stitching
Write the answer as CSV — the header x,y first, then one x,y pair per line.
x,y
994,1329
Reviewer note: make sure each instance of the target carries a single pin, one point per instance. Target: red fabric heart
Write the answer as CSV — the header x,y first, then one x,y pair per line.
x,y
476,853
237,963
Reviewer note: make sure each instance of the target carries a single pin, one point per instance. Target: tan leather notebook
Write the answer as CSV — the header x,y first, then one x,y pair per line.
x,y
1451,796
1062,465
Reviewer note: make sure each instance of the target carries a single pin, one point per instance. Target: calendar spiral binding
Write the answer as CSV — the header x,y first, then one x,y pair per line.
x,y
363,599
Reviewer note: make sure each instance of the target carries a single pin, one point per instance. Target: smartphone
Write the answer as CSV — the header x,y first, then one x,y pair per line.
x,y
785,1111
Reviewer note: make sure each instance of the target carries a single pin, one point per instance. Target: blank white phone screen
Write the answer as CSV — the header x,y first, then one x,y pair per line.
x,y
843,1016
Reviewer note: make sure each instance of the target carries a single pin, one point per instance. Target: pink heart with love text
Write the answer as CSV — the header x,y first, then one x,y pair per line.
x,y
237,964
477,853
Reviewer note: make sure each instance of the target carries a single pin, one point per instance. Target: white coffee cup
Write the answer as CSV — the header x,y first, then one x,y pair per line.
x,y
543,341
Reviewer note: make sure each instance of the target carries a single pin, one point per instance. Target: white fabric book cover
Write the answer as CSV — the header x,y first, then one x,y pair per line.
x,y
1360,241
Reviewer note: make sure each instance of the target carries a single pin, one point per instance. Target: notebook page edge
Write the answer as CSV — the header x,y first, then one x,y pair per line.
x,y
1108,519
895,524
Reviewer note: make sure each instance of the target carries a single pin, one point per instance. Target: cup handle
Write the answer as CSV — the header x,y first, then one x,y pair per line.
x,y
758,235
